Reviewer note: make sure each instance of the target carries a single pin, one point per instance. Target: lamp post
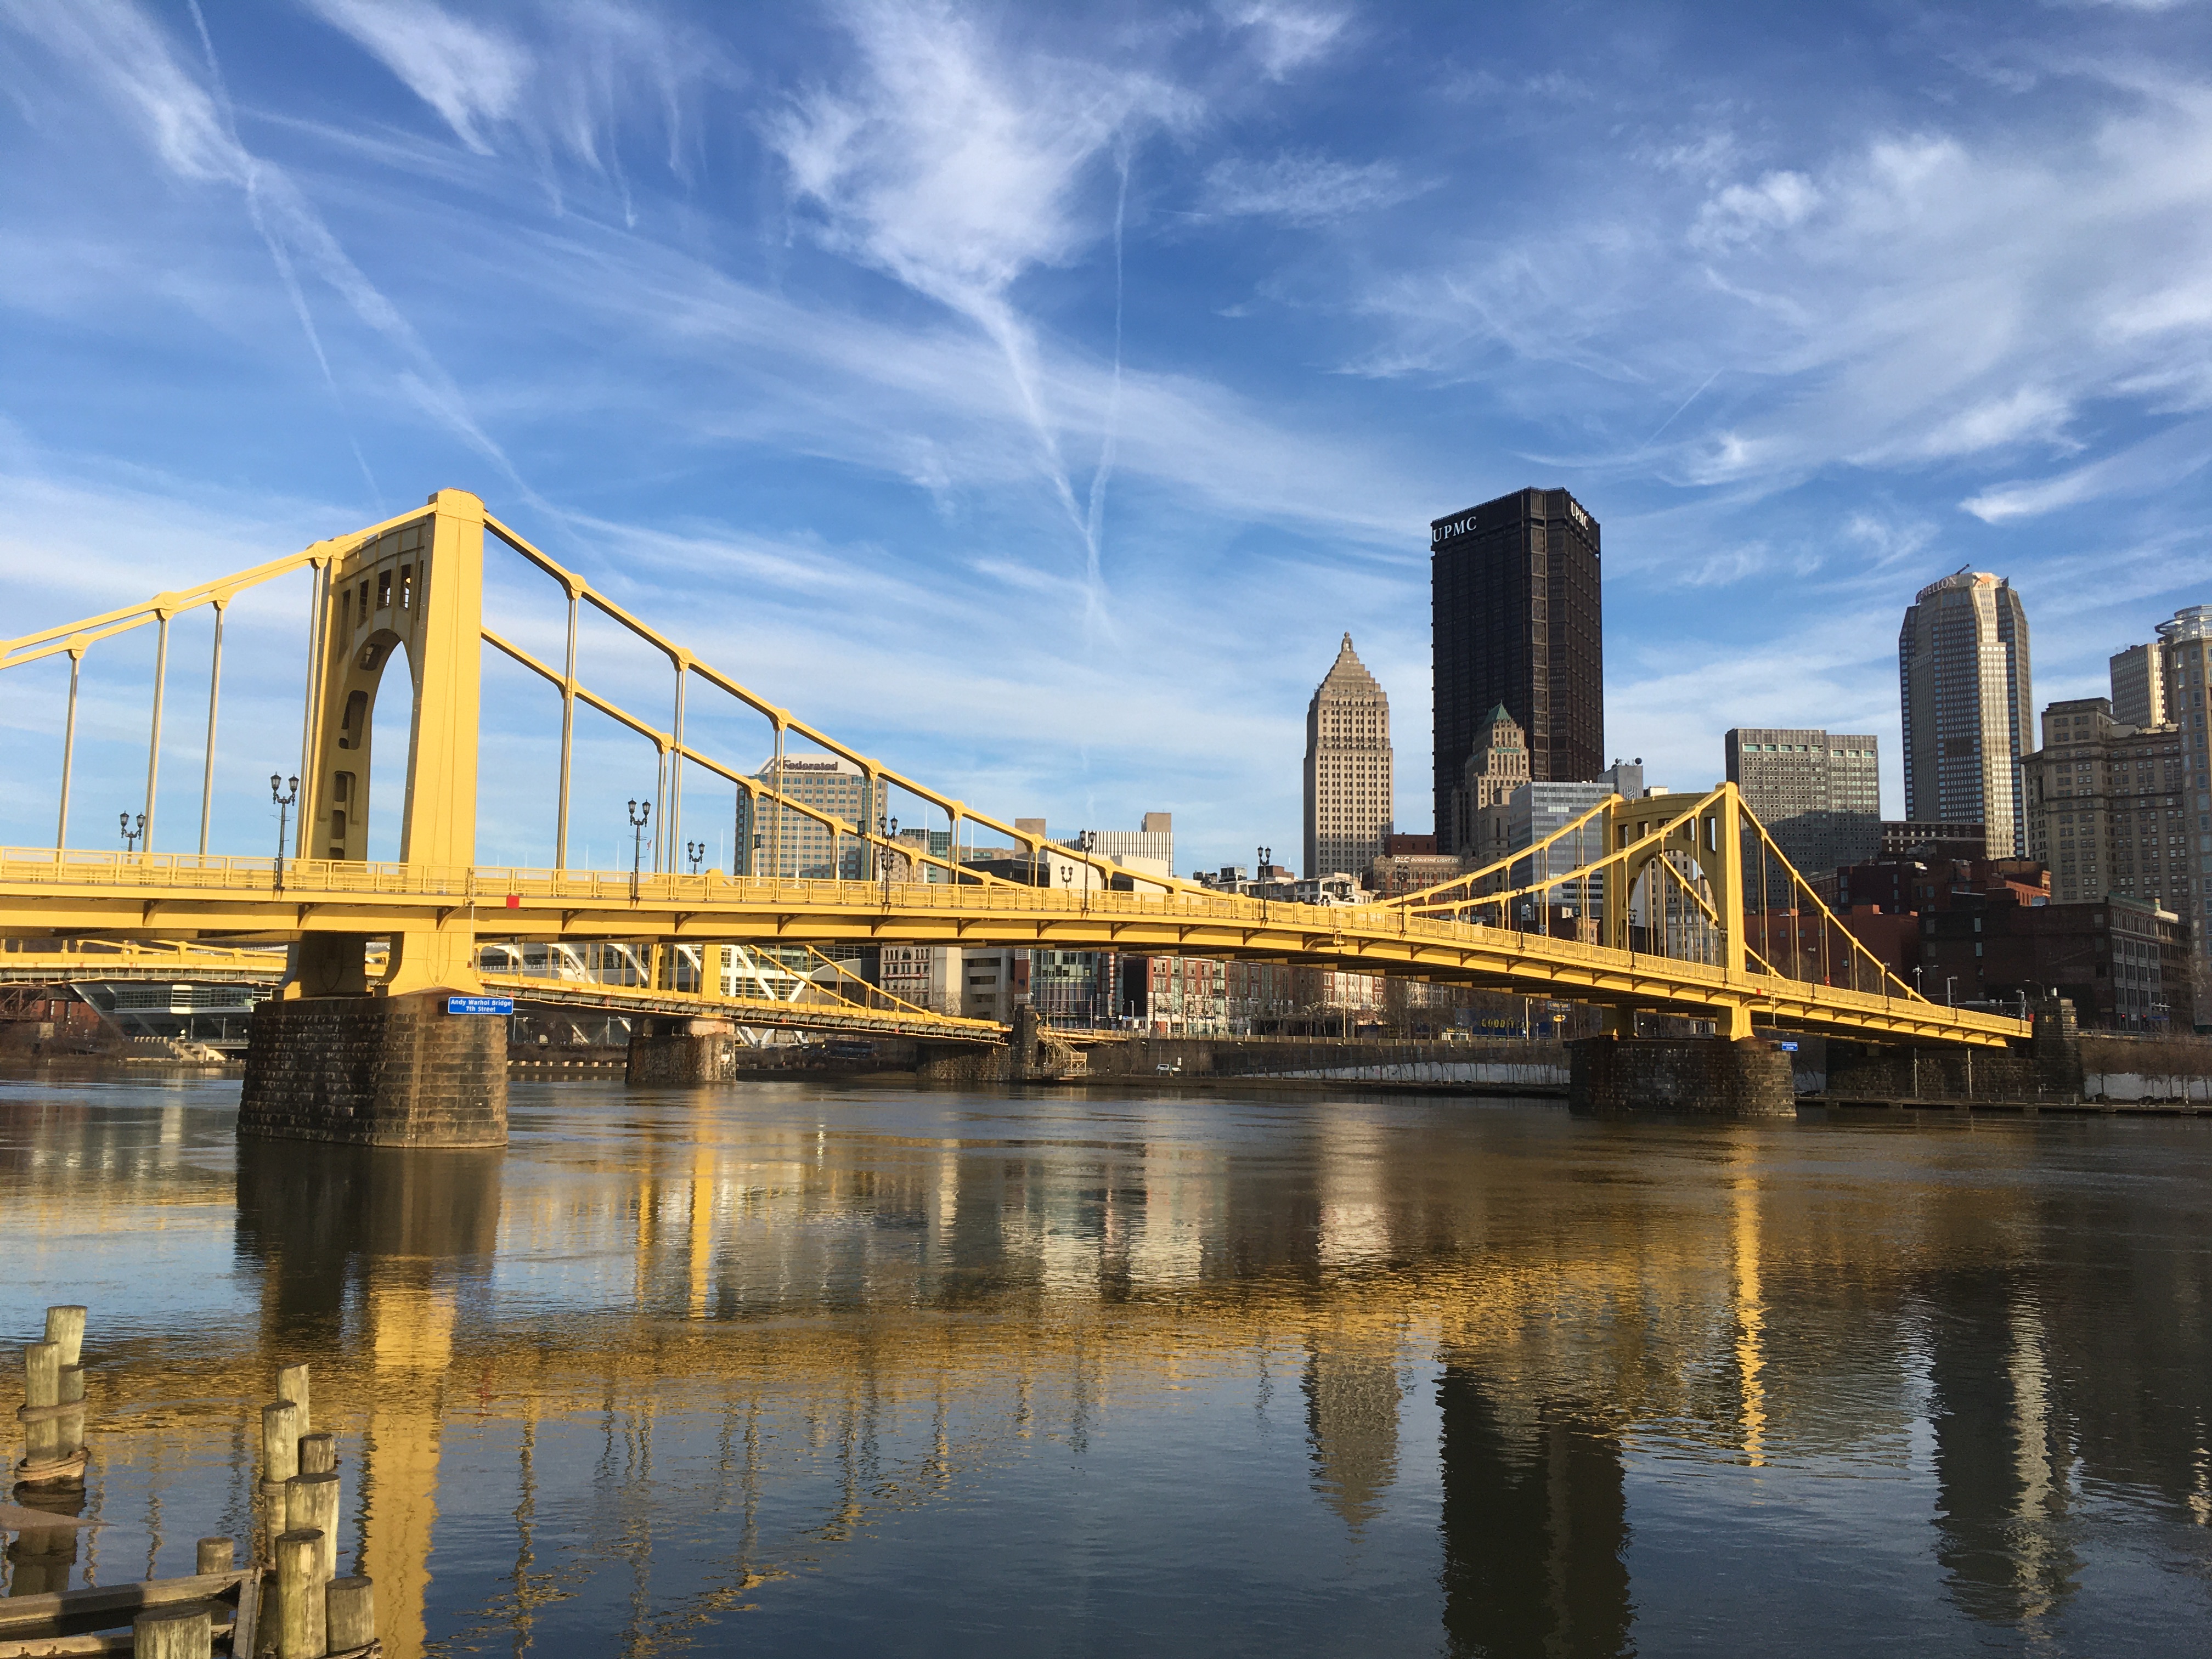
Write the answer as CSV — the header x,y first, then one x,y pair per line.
x,y
283,792
1949,980
131,832
886,830
638,813
695,851
1917,991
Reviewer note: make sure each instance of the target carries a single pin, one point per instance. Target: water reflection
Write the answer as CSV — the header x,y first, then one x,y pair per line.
x,y
966,1369
1535,1523
396,1237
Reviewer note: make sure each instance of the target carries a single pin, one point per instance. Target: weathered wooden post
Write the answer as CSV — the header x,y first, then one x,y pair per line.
x,y
179,1632
300,1631
311,1504
319,1453
279,1462
65,1329
41,1417
292,1385
349,1617
280,1445
215,1555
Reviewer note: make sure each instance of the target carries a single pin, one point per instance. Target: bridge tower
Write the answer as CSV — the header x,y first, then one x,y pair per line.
x,y
413,594
1733,1072
328,1061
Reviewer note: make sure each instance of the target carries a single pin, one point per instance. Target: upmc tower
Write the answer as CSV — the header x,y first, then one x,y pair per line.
x,y
1516,619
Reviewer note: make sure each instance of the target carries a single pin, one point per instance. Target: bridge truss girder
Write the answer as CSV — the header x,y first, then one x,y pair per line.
x,y
704,909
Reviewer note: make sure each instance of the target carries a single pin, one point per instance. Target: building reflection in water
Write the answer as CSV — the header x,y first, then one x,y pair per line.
x,y
1534,1521
389,1239
724,1353
2004,1470
1352,1393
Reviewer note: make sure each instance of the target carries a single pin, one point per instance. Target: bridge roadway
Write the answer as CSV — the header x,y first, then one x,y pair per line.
x,y
200,965
183,896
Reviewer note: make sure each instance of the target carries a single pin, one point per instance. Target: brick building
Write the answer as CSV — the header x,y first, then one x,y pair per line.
x,y
2123,962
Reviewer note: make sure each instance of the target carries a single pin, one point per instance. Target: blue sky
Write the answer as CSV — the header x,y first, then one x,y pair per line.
x,y
1032,395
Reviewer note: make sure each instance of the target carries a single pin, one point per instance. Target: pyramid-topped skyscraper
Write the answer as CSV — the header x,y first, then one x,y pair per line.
x,y
1349,781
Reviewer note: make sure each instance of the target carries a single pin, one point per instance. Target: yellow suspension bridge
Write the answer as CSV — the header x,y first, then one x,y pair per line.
x,y
1669,881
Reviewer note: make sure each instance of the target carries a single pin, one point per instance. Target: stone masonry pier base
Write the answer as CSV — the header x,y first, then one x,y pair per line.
x,y
675,1052
374,1071
1714,1077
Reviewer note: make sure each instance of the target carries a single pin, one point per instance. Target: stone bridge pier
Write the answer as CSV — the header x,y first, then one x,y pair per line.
x,y
679,1051
374,1071
1613,1076
1031,1054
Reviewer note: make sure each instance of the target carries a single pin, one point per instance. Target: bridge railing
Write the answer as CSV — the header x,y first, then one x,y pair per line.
x,y
1354,931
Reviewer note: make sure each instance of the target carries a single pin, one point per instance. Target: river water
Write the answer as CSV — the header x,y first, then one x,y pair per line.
x,y
864,1368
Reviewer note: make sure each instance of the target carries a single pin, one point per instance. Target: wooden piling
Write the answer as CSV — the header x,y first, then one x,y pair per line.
x,y
184,1632
311,1504
65,1329
216,1555
279,1443
292,1385
319,1453
65,1325
300,1631
349,1616
42,1394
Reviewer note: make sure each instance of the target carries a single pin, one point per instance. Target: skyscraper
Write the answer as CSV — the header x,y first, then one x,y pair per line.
x,y
1962,665
2139,685
1516,619
2159,689
1348,769
1495,767
781,841
1819,794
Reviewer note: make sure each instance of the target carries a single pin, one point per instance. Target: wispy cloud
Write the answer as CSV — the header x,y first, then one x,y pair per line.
x,y
1303,189
2151,465
557,85
473,74
1287,36
1913,297
138,68
958,172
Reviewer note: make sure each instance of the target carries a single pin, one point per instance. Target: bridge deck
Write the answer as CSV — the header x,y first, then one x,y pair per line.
x,y
266,968
182,897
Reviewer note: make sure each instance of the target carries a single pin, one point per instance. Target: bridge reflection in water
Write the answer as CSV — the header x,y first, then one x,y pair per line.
x,y
823,1368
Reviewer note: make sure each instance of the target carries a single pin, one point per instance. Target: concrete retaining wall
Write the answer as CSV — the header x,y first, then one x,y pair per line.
x,y
2129,1086
1541,1064
1447,1074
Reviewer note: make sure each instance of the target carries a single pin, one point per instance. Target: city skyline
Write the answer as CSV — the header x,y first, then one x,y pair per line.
x,y
884,430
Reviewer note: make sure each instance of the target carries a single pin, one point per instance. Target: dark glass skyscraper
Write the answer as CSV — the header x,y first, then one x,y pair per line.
x,y
1516,618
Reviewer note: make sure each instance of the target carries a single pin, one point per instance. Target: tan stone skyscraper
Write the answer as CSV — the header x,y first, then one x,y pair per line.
x,y
1349,781
1962,662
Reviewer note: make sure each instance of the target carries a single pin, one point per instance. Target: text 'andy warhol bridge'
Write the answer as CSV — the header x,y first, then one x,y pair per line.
x,y
338,1056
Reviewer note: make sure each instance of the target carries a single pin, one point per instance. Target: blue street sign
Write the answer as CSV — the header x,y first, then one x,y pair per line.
x,y
1788,1048
479,1004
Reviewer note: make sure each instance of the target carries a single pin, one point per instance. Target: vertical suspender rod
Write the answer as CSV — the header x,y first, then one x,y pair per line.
x,y
69,752
215,687
154,745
